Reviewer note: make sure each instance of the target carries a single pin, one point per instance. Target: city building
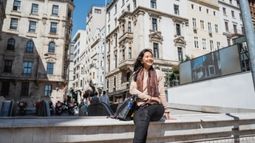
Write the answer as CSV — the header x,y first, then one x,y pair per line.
x,y
33,53
231,20
76,79
2,14
174,30
134,25
205,27
252,9
89,52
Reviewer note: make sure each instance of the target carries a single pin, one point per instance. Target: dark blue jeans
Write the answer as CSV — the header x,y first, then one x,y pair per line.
x,y
142,118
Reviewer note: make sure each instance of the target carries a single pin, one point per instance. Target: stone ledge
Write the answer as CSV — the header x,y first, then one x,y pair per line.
x,y
185,128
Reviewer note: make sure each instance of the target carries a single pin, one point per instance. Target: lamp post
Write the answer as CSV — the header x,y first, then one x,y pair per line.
x,y
249,34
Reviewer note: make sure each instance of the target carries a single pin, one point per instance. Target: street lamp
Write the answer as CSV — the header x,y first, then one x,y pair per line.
x,y
249,34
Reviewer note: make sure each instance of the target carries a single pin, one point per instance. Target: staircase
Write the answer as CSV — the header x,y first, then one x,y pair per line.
x,y
234,127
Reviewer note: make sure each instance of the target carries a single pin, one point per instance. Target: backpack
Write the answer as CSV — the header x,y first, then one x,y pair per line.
x,y
125,111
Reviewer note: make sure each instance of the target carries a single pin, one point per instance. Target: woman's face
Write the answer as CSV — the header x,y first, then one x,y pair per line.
x,y
147,60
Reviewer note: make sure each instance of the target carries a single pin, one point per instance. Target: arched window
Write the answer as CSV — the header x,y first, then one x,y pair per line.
x,y
51,47
30,46
11,44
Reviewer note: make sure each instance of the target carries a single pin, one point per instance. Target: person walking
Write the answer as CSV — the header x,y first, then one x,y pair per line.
x,y
104,98
148,84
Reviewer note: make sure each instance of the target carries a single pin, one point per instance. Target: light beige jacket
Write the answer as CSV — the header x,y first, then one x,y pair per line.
x,y
144,95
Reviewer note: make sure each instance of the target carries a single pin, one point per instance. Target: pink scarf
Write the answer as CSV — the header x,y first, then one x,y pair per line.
x,y
152,83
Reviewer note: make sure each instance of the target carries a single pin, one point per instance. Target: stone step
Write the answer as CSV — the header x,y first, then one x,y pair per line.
x,y
186,128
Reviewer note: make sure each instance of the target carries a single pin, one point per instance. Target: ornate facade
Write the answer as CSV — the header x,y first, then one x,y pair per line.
x,y
35,40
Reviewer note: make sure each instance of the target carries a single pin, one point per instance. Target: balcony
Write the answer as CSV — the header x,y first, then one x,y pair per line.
x,y
233,33
126,36
126,64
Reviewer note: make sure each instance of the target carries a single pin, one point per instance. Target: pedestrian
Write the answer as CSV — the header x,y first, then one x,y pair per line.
x,y
104,98
94,98
148,84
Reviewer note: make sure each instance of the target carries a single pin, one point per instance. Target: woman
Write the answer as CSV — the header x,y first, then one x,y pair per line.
x,y
148,84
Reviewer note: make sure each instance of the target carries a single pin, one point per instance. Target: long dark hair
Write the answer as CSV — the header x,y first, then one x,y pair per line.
x,y
138,63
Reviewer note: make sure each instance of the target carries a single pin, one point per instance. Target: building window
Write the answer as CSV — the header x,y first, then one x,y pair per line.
x,y
108,60
115,9
116,39
115,59
129,26
5,88
8,66
32,26
154,24
154,4
194,22
233,13
196,42
27,68
192,6
235,28
202,24
224,11
47,90
243,30
176,9
134,3
123,54
129,53
218,45
156,50
51,47
211,45
55,10
108,14
34,9
29,46
109,28
128,7
16,5
123,2
14,23
226,26
209,27
180,54
98,11
24,88
204,43
11,44
216,28
50,68
53,27
178,29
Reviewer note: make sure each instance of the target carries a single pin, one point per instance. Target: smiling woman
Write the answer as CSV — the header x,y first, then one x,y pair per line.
x,y
148,84
82,8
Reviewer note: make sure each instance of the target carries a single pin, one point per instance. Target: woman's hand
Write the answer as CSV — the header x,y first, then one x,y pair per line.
x,y
155,99
167,115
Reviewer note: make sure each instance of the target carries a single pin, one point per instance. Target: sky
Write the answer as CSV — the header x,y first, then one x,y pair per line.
x,y
82,7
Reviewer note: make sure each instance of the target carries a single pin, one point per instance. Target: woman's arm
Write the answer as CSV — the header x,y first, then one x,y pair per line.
x,y
133,90
161,88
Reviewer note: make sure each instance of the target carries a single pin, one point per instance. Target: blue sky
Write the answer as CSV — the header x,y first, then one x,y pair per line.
x,y
81,9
